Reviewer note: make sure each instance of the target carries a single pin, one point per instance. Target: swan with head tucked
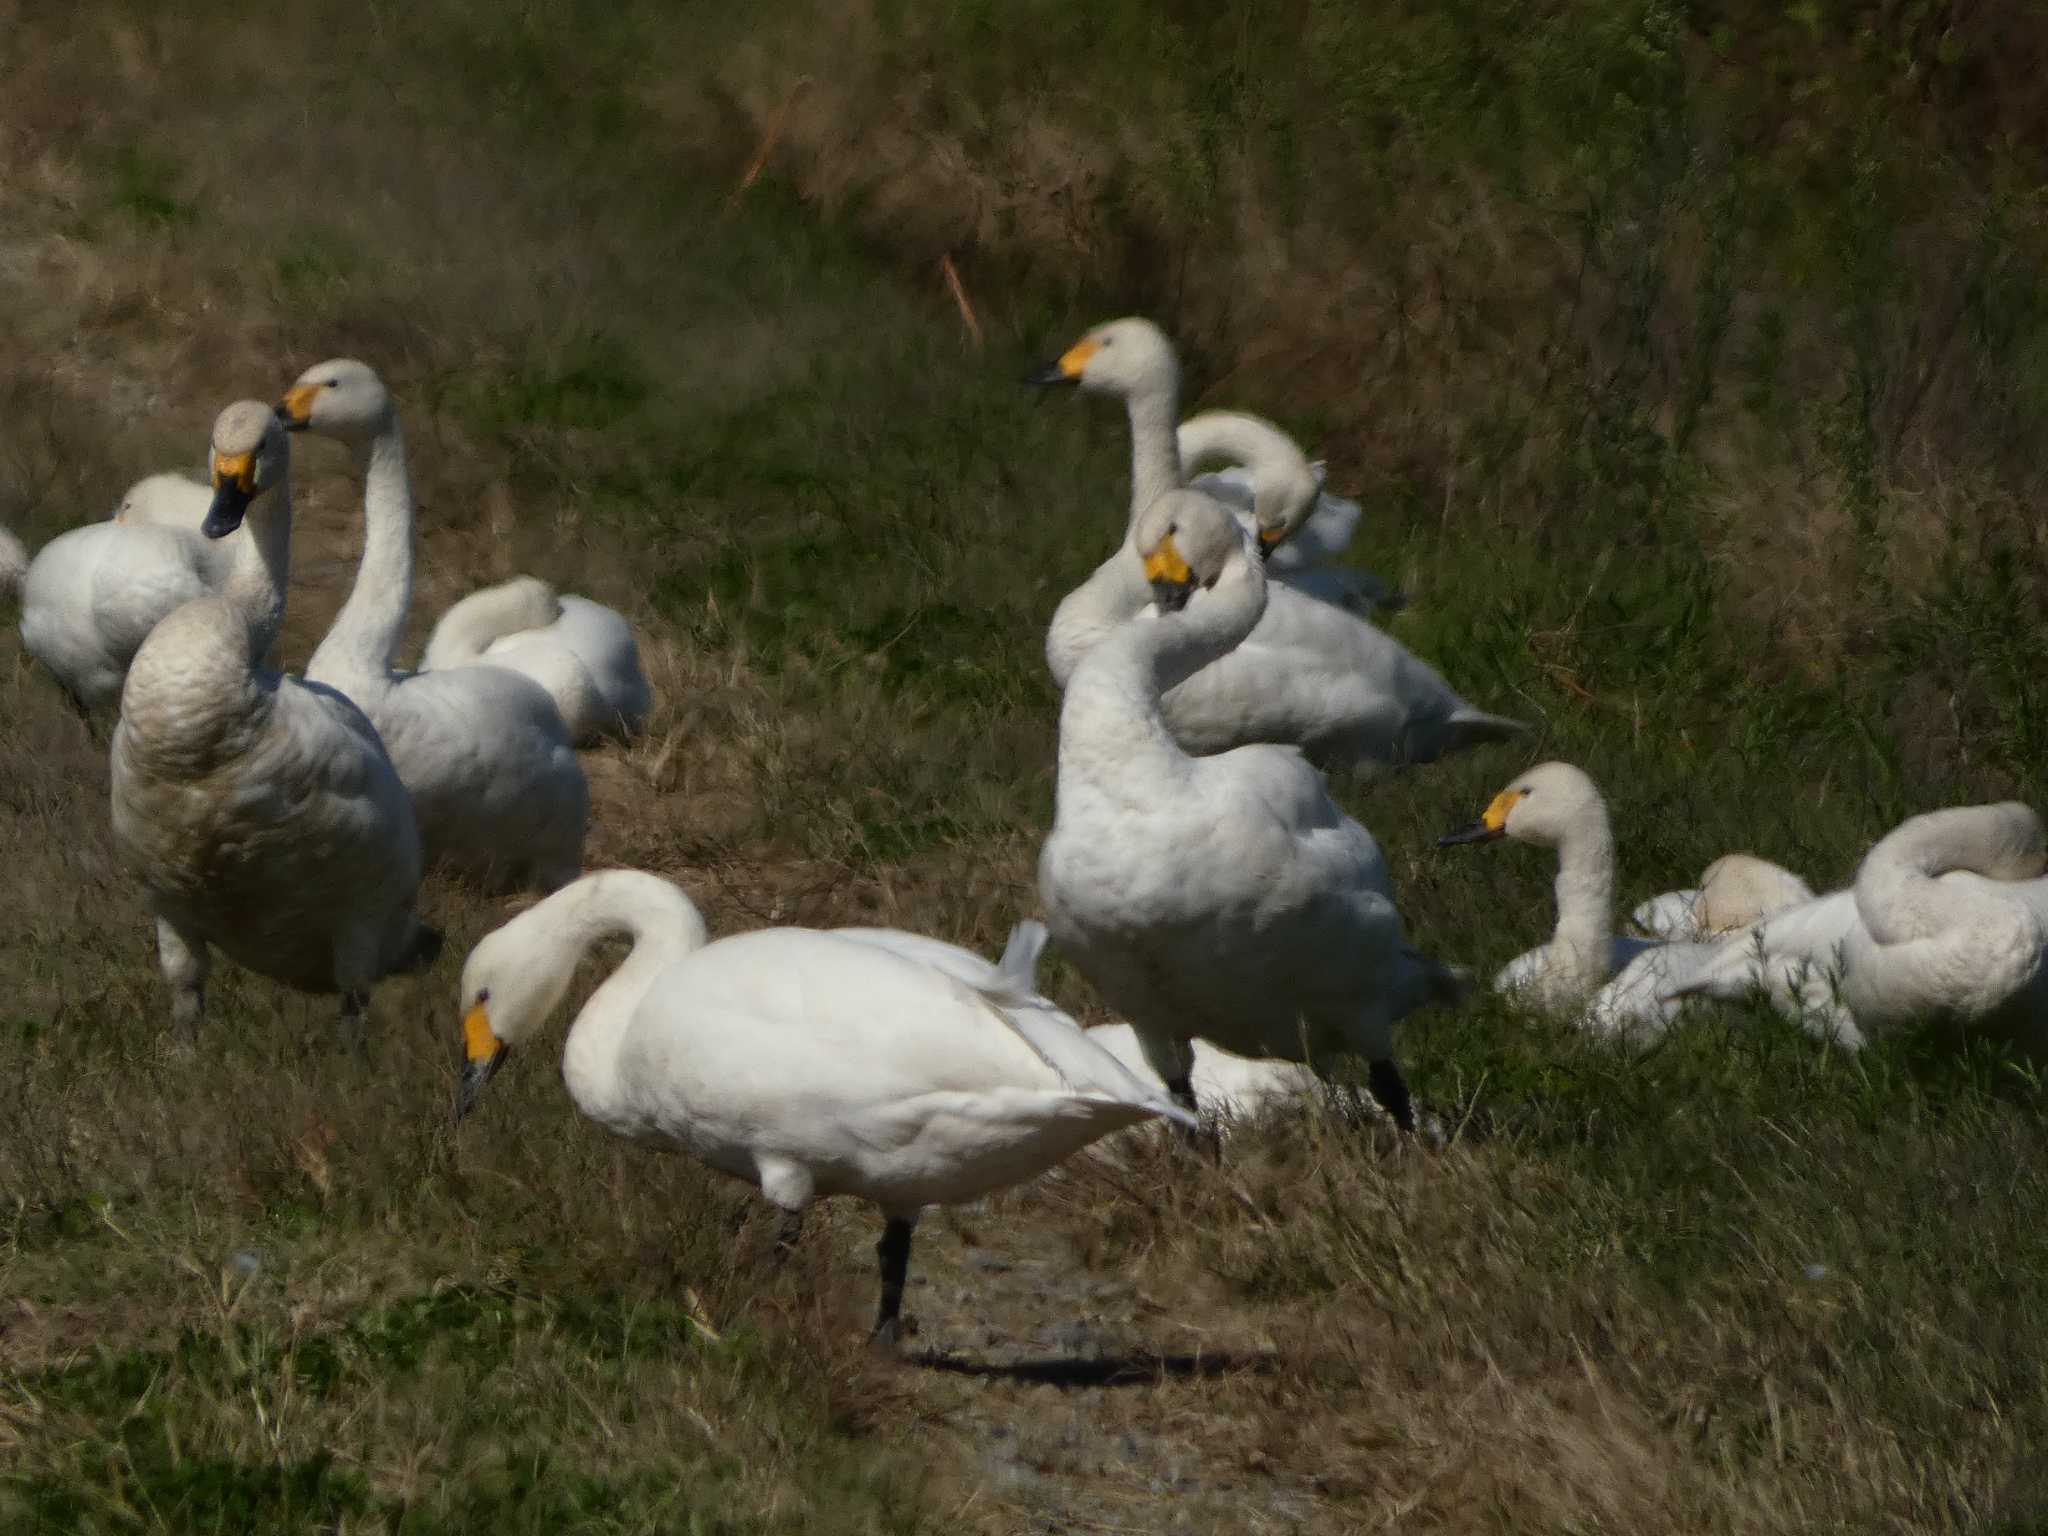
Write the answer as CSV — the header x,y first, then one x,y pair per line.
x,y
92,594
492,772
260,811
806,1063
1270,484
1311,674
1604,982
583,653
1736,891
1224,897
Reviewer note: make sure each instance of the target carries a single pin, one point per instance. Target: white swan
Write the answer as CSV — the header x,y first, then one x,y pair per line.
x,y
803,1062
1225,897
492,772
1271,485
1605,982
581,652
1311,673
92,594
1736,891
1952,926
260,811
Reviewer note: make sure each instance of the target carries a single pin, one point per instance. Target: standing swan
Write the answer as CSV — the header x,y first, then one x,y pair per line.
x,y
582,652
493,776
806,1063
1224,897
1311,673
92,594
261,812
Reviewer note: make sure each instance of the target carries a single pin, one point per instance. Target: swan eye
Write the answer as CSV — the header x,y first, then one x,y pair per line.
x,y
1172,529
483,994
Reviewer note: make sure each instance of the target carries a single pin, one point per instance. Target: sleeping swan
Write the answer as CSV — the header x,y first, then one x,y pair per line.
x,y
805,1063
92,594
1224,897
581,652
486,757
260,811
1311,673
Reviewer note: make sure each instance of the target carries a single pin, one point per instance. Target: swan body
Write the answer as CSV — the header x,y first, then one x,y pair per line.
x,y
1606,983
1226,1085
92,594
1311,674
583,653
1223,897
1736,891
260,811
483,751
806,1063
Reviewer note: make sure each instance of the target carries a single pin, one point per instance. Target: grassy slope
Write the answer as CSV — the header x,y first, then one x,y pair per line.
x,y
1690,361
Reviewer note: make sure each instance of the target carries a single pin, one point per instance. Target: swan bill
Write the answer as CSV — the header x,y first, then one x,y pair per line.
x,y
483,1054
1171,578
1492,823
234,487
1070,365
295,410
1271,539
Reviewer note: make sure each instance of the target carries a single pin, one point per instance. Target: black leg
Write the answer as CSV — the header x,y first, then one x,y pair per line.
x,y
894,1252
1391,1089
787,1231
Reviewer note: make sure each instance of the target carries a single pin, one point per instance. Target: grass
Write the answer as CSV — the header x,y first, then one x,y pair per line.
x,y
1690,360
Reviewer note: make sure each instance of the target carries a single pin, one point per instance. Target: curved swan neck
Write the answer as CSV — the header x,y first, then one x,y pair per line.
x,y
1582,948
365,635
663,925
1111,715
260,571
1899,894
1155,446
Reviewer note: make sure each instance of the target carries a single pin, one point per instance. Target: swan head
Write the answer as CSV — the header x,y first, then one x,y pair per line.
x,y
511,982
251,455
340,398
1123,357
1185,539
1542,806
157,501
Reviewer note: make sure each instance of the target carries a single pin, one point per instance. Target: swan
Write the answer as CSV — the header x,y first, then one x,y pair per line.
x,y
92,594
581,652
1606,982
1272,487
260,811
1736,891
804,1062
1947,923
1311,673
492,772
1225,897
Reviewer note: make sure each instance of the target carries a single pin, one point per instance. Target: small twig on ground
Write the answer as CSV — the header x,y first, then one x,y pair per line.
x,y
769,138
952,277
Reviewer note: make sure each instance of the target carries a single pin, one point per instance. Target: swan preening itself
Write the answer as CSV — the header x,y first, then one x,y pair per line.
x,y
1311,673
581,652
1223,897
260,812
486,756
91,595
882,1065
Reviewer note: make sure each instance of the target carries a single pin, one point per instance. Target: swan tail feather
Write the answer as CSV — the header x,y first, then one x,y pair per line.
x,y
1023,952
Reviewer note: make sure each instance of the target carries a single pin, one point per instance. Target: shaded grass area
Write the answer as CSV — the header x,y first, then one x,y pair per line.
x,y
1688,358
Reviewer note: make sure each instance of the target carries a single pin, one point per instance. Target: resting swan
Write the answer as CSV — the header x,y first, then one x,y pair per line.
x,y
1225,897
581,652
1310,674
1947,923
1736,890
806,1063
493,776
260,811
92,594
1606,983
1273,488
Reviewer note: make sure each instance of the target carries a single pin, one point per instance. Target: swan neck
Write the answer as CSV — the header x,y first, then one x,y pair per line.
x,y
1155,447
261,571
1583,945
366,634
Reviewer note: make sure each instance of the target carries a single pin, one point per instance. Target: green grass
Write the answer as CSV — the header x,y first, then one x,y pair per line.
x,y
1691,361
